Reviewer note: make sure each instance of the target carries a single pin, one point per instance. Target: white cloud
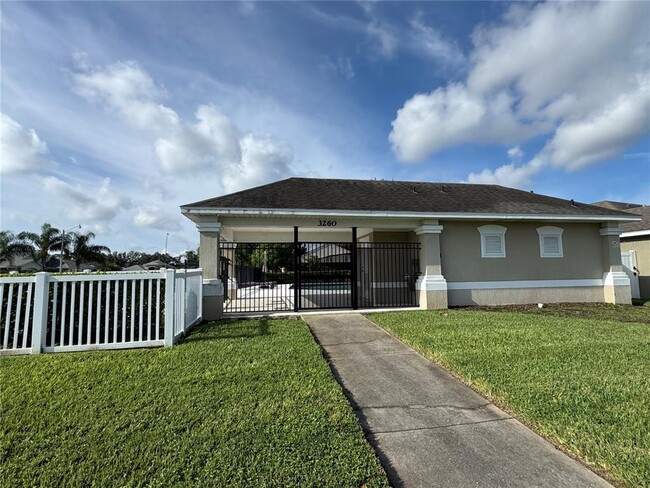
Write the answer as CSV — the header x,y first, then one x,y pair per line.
x,y
515,153
604,134
154,217
127,90
213,145
509,174
211,142
576,71
451,116
416,38
21,150
385,37
430,42
262,160
87,205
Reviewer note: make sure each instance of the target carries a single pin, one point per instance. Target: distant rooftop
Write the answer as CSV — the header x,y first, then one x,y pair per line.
x,y
633,208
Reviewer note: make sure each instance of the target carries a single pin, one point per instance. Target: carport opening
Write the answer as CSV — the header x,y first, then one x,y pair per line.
x,y
275,276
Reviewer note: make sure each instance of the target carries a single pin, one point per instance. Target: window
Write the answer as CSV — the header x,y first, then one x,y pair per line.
x,y
493,241
550,242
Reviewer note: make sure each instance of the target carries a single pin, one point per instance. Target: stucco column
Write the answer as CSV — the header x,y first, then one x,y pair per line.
x,y
431,284
209,257
616,282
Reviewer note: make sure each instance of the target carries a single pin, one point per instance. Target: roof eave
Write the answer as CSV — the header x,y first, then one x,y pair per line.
x,y
636,233
277,212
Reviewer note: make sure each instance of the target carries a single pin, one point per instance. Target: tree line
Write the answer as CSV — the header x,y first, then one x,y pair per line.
x,y
78,248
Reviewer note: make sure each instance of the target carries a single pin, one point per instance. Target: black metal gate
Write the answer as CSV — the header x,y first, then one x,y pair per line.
x,y
257,277
276,277
325,275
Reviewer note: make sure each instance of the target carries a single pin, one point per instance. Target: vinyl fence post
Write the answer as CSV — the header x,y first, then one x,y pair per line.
x,y
170,280
39,320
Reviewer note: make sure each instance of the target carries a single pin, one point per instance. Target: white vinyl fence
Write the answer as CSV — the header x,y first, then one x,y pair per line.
x,y
80,312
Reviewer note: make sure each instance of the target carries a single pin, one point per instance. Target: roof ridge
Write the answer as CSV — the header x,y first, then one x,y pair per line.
x,y
391,181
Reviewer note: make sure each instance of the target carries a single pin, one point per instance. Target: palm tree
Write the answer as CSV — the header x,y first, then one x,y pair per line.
x,y
11,247
50,237
81,250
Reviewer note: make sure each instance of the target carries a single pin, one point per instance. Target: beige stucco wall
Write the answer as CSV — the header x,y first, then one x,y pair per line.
x,y
461,253
511,296
642,247
379,236
209,254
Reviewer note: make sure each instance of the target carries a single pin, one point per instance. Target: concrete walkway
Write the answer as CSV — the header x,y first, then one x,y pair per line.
x,y
427,427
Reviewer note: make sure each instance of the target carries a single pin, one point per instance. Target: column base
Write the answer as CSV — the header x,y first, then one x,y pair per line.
x,y
212,299
432,290
617,288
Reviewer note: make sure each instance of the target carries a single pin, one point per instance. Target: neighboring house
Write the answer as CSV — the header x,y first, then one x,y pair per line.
x,y
150,266
326,253
635,241
22,264
27,264
475,244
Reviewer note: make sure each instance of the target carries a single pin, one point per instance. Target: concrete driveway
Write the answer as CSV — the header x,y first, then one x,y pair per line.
x,y
427,427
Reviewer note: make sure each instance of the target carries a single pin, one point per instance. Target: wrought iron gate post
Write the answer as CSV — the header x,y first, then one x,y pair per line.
x,y
353,272
296,270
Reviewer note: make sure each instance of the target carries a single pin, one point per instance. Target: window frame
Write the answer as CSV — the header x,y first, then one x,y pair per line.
x,y
550,231
493,231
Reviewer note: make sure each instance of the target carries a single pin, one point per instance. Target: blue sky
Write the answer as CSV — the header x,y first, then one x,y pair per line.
x,y
114,114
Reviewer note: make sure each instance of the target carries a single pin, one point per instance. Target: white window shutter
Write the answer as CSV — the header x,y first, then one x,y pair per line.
x,y
493,245
550,241
551,245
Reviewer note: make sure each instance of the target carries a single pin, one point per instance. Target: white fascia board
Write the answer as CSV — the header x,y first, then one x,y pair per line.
x,y
280,212
636,233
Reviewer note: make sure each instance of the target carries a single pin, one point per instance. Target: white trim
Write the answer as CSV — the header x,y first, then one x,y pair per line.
x,y
209,226
636,233
431,283
212,288
616,278
611,231
282,212
16,352
492,231
428,229
497,285
106,346
550,231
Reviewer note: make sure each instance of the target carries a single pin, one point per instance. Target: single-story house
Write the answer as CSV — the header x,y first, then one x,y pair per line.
x,y
428,245
156,264
27,264
635,244
21,264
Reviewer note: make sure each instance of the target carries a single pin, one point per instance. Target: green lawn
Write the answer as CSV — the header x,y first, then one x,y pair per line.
x,y
241,403
583,383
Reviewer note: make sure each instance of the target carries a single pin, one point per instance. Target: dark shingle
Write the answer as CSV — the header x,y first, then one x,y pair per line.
x,y
625,206
399,196
644,224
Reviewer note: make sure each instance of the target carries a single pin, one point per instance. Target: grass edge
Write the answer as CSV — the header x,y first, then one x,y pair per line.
x,y
607,476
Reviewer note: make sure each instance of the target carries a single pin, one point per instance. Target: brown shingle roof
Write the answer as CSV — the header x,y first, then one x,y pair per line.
x,y
633,208
398,196
644,224
625,206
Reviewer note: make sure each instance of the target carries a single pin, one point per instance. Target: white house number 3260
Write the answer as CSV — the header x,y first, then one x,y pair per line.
x,y
327,223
